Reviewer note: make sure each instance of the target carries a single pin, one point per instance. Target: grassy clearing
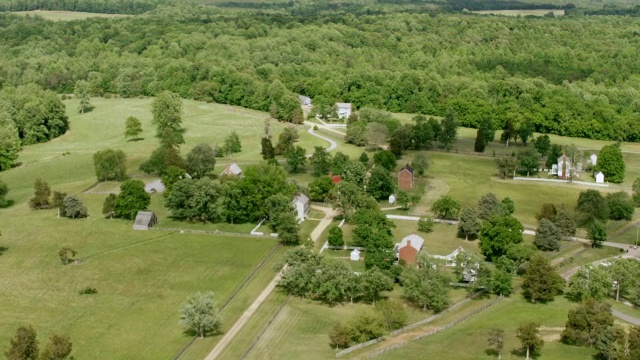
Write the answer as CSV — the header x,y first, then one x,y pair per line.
x,y
536,12
507,314
67,15
442,241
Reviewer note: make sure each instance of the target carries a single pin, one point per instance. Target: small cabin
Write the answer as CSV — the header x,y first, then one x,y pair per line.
x,y
600,178
145,220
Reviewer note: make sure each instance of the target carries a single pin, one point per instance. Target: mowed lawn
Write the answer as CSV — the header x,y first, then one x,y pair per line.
x,y
141,277
67,15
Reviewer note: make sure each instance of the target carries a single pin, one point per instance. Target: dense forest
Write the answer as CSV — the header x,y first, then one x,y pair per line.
x,y
574,76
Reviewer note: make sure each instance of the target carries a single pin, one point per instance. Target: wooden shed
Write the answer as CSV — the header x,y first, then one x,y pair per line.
x,y
145,220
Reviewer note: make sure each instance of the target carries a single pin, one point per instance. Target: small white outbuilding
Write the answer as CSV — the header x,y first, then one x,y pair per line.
x,y
600,178
392,199
594,159
355,255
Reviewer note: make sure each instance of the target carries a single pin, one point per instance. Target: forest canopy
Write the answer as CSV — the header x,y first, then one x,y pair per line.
x,y
570,76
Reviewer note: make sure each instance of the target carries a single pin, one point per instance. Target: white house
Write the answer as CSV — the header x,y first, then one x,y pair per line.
x,y
392,199
304,100
355,255
451,258
232,170
600,178
593,159
343,110
301,203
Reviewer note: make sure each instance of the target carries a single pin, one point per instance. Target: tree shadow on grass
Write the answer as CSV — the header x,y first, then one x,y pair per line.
x,y
135,139
491,352
6,203
523,353
3,250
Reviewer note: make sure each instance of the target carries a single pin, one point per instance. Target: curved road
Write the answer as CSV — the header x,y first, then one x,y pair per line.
x,y
333,145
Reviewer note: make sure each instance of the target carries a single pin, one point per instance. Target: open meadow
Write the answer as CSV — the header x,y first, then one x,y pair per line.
x,y
67,15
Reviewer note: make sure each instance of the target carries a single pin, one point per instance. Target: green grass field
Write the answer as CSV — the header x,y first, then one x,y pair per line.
x,y
67,15
537,12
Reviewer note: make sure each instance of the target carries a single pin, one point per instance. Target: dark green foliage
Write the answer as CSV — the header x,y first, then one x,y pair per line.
x,y
320,189
109,205
66,254
288,230
426,225
74,208
296,159
403,200
597,232
277,205
364,159
592,206
587,322
620,205
380,184
541,283
354,172
286,140
542,144
58,348
506,166
529,161
133,128
565,222
88,291
554,153
479,145
10,144
487,205
499,234
338,163
636,192
58,201
392,312
195,200
501,283
373,282
611,163
386,159
268,151
469,225
132,198
335,236
110,165
426,287
232,144
42,195
320,161
172,175
4,190
449,132
38,114
548,211
400,140
200,160
548,236
506,207
24,345
446,207
161,159
167,117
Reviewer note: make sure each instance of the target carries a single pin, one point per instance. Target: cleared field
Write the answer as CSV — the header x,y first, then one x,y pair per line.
x,y
67,15
537,12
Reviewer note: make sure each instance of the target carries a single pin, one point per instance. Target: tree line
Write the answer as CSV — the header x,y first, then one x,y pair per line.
x,y
100,6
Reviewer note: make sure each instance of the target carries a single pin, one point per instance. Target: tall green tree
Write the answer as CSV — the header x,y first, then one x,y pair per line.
x,y
469,224
201,314
74,208
611,163
268,151
373,283
132,198
587,322
542,144
320,161
529,336
162,159
24,345
167,117
565,222
498,234
636,192
620,205
597,233
386,159
426,287
288,229
10,144
42,195
541,283
420,163
110,165
589,282
195,200
548,236
200,160
449,133
58,348
82,91
487,205
109,206
479,145
132,128
446,207
232,144
380,184
529,161
296,159
592,206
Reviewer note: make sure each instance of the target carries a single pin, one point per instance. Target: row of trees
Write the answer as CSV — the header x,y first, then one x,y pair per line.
x,y
25,346
68,205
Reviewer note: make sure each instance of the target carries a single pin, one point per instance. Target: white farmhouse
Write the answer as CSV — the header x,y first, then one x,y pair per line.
x,y
343,110
301,203
564,167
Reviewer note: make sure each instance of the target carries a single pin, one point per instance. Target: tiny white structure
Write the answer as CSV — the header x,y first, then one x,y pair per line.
x,y
355,255
301,203
392,199
304,100
451,258
594,159
600,178
232,170
343,110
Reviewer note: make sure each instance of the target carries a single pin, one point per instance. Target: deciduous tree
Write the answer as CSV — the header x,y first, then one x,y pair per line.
x,y
74,208
529,336
167,117
446,207
133,128
335,236
42,195
132,198
200,160
597,233
469,224
380,184
24,345
110,165
611,163
587,322
58,348
82,91
201,314
499,234
296,159
496,340
320,161
620,206
592,206
195,200
386,159
590,282
541,283
420,163
10,144
548,236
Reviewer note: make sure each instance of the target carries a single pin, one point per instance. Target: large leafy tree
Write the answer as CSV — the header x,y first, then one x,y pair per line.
x,y
200,160
590,282
320,161
587,322
132,128
548,236
167,117
620,205
110,165
24,345
74,208
82,91
592,206
296,159
4,190
162,159
565,222
58,348
487,205
611,163
446,207
449,132
426,287
10,143
195,200
42,195
132,198
386,159
498,234
541,283
529,336
373,282
380,184
469,224
201,314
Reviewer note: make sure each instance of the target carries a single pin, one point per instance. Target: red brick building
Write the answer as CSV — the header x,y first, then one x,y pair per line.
x,y
405,178
409,248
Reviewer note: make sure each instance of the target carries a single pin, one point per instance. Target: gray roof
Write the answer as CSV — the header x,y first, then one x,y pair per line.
x,y
344,105
232,169
300,197
155,185
144,218
416,242
304,99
